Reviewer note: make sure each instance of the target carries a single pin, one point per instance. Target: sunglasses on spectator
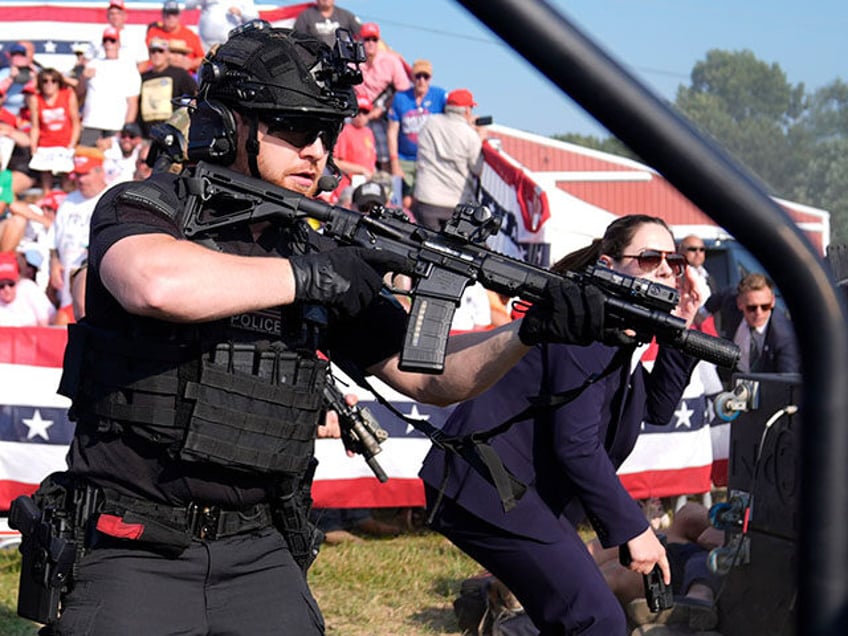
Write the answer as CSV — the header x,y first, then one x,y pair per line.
x,y
7,283
752,308
372,39
649,260
303,131
422,76
128,136
695,248
151,51
112,40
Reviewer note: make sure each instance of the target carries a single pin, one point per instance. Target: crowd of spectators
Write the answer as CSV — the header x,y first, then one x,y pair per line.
x,y
119,87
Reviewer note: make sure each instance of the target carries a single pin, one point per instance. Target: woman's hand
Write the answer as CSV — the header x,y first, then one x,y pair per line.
x,y
646,551
690,299
330,428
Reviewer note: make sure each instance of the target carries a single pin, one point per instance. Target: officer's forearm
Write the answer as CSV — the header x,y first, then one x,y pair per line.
x,y
475,361
158,276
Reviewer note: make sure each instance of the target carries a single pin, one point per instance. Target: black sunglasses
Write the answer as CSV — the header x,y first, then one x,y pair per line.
x,y
370,39
155,50
752,308
422,75
7,283
649,260
302,131
112,40
695,248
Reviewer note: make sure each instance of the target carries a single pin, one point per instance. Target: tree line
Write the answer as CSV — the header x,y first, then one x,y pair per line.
x,y
795,141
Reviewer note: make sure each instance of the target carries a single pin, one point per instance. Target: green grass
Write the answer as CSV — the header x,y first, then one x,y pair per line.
x,y
404,586
392,587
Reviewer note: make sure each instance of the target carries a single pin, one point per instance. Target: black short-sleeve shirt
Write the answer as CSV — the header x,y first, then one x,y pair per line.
x,y
140,468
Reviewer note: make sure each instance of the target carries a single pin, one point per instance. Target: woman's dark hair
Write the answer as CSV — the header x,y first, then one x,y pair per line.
x,y
51,73
618,235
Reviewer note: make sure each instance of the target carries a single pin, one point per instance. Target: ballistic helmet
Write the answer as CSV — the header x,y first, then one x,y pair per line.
x,y
272,70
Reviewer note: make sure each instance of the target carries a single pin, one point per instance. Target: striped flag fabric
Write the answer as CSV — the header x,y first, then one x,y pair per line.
x,y
35,432
34,426
676,458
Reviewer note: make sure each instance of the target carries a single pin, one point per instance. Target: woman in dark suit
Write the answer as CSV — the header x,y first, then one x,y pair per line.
x,y
568,457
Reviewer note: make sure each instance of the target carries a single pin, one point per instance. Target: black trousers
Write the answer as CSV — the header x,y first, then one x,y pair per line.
x,y
246,584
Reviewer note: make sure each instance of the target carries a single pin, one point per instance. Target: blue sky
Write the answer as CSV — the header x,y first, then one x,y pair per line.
x,y
658,40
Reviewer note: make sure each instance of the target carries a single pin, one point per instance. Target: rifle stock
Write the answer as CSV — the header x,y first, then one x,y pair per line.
x,y
442,264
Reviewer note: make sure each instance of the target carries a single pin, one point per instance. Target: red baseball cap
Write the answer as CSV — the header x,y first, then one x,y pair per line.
x,y
112,33
9,266
52,199
87,159
364,104
461,97
369,30
117,4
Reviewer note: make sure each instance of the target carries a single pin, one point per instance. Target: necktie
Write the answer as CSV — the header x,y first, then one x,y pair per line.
x,y
753,350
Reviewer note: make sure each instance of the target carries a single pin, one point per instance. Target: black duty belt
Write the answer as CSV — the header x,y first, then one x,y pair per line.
x,y
196,520
211,522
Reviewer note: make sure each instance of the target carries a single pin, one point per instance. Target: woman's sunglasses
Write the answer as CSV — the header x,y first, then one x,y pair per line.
x,y
649,260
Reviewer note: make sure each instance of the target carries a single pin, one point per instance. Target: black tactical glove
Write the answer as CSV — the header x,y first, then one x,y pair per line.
x,y
572,314
345,279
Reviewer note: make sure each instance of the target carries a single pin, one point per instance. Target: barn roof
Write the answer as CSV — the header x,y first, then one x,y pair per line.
x,y
624,186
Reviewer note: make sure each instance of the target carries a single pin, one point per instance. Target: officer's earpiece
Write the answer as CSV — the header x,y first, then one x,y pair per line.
x,y
211,72
212,136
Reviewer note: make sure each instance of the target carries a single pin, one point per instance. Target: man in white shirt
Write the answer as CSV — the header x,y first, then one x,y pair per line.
x,y
121,155
450,159
112,89
130,49
22,303
219,17
69,232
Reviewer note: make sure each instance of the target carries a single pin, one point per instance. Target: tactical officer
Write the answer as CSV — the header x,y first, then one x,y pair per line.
x,y
194,377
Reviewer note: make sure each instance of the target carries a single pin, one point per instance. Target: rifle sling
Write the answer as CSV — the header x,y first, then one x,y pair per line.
x,y
474,447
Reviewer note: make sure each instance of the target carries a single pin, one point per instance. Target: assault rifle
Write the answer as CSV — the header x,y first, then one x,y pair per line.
x,y
361,433
441,264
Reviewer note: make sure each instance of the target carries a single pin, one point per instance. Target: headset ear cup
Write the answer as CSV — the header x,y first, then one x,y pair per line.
x,y
212,134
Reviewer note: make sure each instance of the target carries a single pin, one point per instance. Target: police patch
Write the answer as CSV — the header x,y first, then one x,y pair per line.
x,y
268,322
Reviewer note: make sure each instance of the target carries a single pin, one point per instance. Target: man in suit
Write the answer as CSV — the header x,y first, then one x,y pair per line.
x,y
764,335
